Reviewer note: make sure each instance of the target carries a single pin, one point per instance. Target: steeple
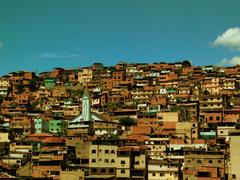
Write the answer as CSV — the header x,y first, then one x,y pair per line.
x,y
86,105
86,111
86,93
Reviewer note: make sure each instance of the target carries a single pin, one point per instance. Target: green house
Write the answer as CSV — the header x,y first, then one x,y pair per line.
x,y
49,82
56,126
40,125
208,134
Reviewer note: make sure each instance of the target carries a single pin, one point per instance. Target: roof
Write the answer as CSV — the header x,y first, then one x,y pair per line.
x,y
137,137
40,135
100,176
55,140
6,176
4,165
86,92
132,148
177,141
141,129
32,139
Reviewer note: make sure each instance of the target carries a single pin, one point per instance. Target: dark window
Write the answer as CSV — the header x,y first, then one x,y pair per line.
x,y
54,172
103,170
94,151
112,151
210,118
219,161
203,174
153,174
122,171
122,162
93,160
106,161
106,151
112,161
199,161
94,170
218,118
111,170
210,161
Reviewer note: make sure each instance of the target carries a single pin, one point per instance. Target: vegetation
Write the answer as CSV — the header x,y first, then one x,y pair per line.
x,y
127,121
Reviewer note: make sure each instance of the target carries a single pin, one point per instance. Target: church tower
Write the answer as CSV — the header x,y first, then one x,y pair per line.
x,y
86,115
86,105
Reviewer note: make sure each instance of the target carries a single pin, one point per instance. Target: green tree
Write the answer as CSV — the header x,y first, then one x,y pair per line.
x,y
20,88
1,98
186,63
127,121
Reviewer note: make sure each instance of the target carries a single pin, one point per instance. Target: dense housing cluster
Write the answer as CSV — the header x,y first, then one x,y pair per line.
x,y
159,121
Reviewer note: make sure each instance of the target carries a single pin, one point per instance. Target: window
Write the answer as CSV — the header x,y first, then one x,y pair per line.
x,y
221,132
106,151
219,161
94,151
210,118
106,160
218,118
112,152
210,161
153,174
112,161
111,170
93,160
54,172
94,170
122,162
103,170
137,162
194,132
122,171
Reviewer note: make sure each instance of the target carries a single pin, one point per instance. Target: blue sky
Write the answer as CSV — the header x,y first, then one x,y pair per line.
x,y
38,35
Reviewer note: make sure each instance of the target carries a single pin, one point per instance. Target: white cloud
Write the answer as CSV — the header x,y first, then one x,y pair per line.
x,y
233,61
58,55
230,38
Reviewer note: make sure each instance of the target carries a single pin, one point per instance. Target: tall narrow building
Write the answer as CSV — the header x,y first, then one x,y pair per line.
x,y
86,115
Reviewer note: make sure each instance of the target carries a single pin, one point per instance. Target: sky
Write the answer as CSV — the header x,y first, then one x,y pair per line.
x,y
39,35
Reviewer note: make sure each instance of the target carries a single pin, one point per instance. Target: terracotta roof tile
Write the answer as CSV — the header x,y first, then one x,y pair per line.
x,y
137,137
141,129
4,165
40,135
55,140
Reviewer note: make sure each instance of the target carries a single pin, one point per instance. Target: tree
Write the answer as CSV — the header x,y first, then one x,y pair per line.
x,y
1,98
33,85
206,92
186,63
20,88
127,121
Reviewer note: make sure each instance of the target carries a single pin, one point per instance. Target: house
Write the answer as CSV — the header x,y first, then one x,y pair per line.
x,y
132,162
204,165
